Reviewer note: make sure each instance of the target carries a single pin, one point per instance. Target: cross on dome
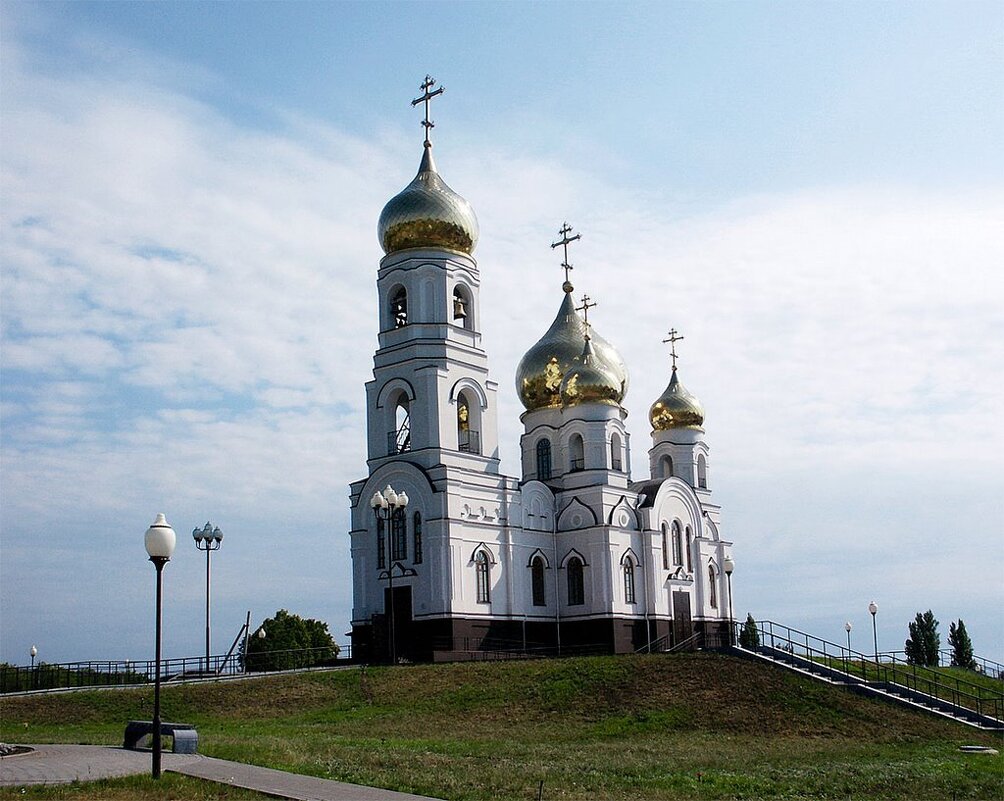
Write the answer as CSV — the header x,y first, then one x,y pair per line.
x,y
673,339
426,97
584,308
564,242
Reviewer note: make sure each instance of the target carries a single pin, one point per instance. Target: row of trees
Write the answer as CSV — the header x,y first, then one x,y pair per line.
x,y
924,643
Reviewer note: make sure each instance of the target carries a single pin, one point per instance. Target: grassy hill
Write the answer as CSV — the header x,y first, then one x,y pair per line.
x,y
690,726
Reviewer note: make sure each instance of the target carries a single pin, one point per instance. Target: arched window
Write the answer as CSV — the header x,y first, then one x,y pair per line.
x,y
417,537
398,536
543,459
468,437
399,307
461,308
615,461
666,467
576,588
690,568
399,440
665,548
677,544
629,581
576,453
712,587
381,544
702,472
537,581
482,566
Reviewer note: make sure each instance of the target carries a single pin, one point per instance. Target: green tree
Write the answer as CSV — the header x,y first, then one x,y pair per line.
x,y
290,641
924,641
749,637
962,646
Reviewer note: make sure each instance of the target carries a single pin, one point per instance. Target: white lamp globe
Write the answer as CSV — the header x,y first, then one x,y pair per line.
x,y
873,607
402,499
729,565
848,626
160,539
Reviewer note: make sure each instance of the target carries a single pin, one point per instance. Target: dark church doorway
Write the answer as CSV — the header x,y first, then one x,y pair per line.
x,y
683,628
400,622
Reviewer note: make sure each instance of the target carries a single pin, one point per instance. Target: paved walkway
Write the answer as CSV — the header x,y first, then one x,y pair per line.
x,y
61,764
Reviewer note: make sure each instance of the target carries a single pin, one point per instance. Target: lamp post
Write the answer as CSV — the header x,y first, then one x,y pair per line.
x,y
385,505
34,653
159,541
847,628
729,567
873,609
207,539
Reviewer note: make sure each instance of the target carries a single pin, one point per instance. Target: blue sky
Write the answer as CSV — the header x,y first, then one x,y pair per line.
x,y
812,192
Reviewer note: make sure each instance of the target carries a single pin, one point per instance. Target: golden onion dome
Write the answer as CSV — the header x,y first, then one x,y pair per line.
x,y
543,368
590,382
428,214
676,408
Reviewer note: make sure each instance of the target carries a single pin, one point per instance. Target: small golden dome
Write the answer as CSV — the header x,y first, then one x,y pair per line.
x,y
676,408
428,214
543,368
590,382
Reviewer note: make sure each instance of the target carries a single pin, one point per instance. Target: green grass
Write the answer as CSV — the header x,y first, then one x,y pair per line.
x,y
689,726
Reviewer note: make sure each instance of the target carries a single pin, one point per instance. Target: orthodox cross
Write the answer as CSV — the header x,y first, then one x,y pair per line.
x,y
673,339
427,84
584,308
565,241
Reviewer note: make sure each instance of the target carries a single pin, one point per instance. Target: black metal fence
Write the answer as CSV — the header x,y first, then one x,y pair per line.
x,y
104,673
792,645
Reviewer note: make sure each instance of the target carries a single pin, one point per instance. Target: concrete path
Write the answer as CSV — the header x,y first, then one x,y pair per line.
x,y
61,764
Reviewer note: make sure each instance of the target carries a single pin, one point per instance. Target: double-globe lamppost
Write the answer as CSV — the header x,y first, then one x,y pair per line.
x,y
159,541
385,505
208,539
729,566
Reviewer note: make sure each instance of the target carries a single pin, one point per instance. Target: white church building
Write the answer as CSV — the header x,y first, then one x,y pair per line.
x,y
571,555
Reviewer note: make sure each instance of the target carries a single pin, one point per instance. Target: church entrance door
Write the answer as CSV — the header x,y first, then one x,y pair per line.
x,y
401,621
682,625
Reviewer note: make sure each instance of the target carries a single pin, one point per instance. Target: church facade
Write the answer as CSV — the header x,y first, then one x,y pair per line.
x,y
449,555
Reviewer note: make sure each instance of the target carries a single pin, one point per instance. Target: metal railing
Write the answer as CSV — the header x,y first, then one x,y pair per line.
x,y
469,441
893,674
111,673
988,667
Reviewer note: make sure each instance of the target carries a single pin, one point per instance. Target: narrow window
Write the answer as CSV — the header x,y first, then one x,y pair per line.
x,y
399,440
665,548
677,544
398,536
416,531
615,452
629,581
576,454
482,567
712,588
667,467
690,568
537,581
702,472
576,589
381,544
399,307
544,459
468,439
460,311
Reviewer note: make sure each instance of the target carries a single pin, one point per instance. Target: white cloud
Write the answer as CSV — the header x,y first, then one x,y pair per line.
x,y
189,317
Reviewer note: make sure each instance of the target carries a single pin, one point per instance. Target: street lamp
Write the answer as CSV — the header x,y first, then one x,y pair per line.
x,y
159,541
385,505
34,653
873,609
207,539
847,628
729,567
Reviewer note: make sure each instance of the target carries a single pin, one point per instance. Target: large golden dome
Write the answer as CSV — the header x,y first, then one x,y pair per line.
x,y
428,214
676,408
541,371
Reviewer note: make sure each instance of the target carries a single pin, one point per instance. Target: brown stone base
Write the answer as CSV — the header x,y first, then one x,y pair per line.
x,y
445,639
